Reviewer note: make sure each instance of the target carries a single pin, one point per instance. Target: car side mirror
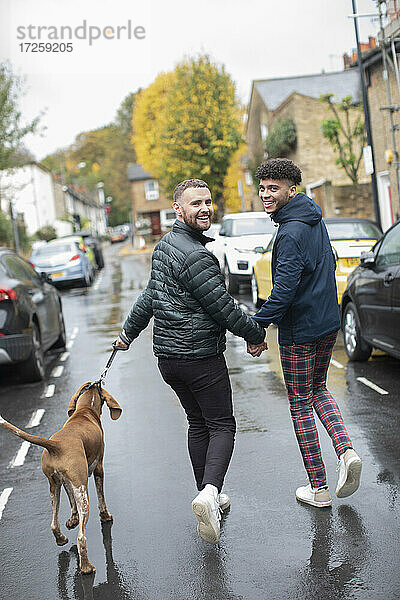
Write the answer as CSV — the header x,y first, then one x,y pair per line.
x,y
260,250
367,259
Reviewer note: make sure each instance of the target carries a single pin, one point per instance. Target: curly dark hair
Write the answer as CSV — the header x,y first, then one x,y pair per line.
x,y
278,169
188,183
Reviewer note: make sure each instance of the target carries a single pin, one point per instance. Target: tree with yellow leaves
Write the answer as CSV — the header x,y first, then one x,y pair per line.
x,y
187,125
147,121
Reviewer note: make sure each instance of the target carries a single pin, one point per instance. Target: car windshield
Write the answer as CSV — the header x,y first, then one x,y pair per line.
x,y
353,231
52,249
252,226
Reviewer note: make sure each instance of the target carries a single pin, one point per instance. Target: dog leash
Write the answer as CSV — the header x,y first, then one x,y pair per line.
x,y
99,382
108,365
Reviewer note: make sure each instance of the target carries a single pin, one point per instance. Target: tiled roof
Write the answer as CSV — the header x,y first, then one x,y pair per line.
x,y
342,83
137,173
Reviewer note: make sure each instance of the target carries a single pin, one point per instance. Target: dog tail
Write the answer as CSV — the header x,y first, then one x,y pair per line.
x,y
50,445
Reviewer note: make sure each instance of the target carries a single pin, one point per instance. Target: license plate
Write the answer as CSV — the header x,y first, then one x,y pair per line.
x,y
55,275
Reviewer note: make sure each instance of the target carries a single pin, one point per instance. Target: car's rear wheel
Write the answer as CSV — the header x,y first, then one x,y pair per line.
x,y
99,259
85,281
231,281
32,369
62,338
356,347
254,292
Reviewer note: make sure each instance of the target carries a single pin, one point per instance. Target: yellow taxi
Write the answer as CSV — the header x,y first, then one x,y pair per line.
x,y
349,237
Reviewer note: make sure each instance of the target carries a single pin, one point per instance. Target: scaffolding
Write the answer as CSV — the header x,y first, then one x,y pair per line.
x,y
393,9
387,44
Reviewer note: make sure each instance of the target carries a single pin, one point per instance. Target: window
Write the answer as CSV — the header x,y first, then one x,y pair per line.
x,y
264,131
226,227
389,252
19,269
151,189
353,230
252,226
53,249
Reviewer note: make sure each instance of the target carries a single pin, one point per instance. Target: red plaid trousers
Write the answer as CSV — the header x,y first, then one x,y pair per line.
x,y
305,368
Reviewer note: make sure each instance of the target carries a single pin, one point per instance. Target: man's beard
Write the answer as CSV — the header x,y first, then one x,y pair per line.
x,y
193,222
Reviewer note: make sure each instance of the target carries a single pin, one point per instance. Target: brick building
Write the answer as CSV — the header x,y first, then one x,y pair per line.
x,y
297,98
151,208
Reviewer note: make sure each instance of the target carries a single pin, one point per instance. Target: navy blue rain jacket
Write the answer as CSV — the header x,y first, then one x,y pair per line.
x,y
303,300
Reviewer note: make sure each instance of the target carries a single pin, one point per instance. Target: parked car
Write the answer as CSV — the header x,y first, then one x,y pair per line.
x,y
31,317
87,249
118,234
63,262
349,238
370,308
212,233
234,245
93,241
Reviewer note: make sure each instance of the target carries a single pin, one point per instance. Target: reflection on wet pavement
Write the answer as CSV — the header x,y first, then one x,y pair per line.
x,y
339,549
114,588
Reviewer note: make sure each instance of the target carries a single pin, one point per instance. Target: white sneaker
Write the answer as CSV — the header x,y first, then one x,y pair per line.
x,y
318,497
349,467
224,501
206,508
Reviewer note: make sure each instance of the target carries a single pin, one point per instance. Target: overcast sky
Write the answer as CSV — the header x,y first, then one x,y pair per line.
x,y
82,89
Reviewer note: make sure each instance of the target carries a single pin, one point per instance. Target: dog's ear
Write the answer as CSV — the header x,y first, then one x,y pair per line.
x,y
72,403
115,409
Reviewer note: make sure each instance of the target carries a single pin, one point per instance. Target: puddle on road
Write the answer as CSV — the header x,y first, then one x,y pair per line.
x,y
108,309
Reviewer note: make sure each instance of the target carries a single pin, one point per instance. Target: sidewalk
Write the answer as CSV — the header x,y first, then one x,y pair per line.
x,y
128,250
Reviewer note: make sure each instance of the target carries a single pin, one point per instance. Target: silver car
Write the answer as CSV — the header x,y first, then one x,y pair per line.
x,y
63,262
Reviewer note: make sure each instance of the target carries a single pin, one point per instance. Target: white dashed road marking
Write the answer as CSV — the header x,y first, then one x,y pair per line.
x,y
74,333
64,356
96,285
51,388
337,364
19,459
57,371
36,417
372,386
4,496
69,344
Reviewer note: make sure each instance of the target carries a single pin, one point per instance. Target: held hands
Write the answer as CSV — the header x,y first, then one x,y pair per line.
x,y
256,350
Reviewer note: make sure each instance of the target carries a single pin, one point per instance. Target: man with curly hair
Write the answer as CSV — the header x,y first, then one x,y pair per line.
x,y
303,304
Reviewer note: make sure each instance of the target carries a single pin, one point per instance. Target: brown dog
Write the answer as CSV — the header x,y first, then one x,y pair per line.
x,y
71,455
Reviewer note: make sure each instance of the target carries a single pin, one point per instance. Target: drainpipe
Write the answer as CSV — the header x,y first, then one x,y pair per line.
x,y
390,107
366,117
314,184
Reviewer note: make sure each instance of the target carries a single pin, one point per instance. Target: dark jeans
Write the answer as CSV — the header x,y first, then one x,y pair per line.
x,y
204,389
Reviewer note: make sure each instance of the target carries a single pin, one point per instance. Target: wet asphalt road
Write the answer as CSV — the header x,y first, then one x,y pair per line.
x,y
271,546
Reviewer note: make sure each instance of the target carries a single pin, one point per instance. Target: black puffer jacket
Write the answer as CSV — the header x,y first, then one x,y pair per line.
x,y
186,294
